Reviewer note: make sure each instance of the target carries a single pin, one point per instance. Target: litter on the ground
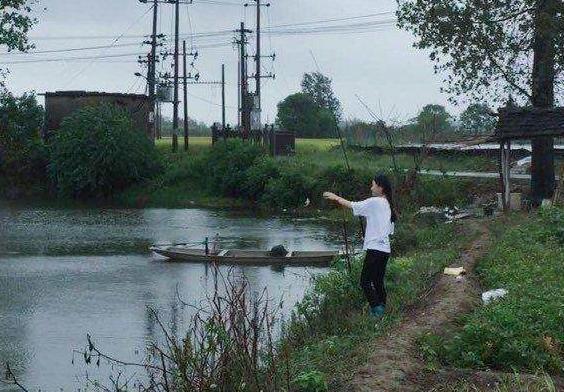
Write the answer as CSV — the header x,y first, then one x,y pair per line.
x,y
447,214
456,271
491,295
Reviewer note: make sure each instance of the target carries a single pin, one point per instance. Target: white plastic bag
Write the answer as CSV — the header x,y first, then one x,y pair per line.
x,y
490,295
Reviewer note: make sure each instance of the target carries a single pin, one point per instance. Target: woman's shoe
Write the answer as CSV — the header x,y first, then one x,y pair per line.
x,y
377,311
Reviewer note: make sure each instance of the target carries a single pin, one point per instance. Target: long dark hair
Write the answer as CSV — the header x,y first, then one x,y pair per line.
x,y
384,182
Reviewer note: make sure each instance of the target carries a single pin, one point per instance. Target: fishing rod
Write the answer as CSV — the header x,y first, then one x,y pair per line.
x,y
344,220
384,128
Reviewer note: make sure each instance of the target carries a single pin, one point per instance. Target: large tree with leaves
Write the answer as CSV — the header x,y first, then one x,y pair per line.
x,y
300,114
318,87
15,22
491,49
476,120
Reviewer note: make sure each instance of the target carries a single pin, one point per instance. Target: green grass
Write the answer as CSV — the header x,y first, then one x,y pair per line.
x,y
326,153
510,383
522,331
331,328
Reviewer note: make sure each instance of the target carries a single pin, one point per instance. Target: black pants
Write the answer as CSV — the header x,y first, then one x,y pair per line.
x,y
372,277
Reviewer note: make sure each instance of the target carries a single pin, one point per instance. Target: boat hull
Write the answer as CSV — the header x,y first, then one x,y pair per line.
x,y
249,257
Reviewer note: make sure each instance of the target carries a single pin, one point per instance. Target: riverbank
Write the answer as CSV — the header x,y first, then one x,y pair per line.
x,y
240,176
437,335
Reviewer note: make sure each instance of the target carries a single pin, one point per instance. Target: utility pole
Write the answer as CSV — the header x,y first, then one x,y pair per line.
x,y
239,94
258,73
153,67
151,62
175,103
245,112
257,56
185,100
223,96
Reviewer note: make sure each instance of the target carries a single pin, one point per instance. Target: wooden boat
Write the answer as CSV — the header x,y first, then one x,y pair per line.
x,y
251,257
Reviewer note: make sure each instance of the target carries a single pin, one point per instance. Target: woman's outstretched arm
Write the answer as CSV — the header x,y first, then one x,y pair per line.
x,y
338,199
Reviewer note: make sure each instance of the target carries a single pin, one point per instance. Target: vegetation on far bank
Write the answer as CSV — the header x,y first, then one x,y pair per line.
x,y
240,173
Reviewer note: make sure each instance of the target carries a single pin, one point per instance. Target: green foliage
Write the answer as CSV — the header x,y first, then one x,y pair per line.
x,y
441,191
353,184
432,122
224,168
479,45
291,189
22,153
265,169
523,330
477,119
15,24
195,128
97,152
312,381
299,113
318,87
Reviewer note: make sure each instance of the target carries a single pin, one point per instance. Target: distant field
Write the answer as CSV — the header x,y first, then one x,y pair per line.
x,y
319,152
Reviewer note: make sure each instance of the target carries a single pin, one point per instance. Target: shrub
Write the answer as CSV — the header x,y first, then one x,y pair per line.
x,y
353,184
312,381
291,189
22,153
98,152
225,166
258,175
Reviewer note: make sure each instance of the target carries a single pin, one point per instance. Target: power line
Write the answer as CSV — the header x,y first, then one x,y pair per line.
x,y
70,49
73,58
218,32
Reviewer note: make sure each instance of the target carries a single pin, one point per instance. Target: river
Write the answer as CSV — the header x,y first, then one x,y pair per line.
x,y
68,272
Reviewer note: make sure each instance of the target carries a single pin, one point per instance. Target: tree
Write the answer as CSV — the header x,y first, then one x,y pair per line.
x,y
432,121
476,120
318,87
22,153
97,151
300,114
485,49
15,23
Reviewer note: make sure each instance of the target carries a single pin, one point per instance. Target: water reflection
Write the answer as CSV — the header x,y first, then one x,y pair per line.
x,y
66,273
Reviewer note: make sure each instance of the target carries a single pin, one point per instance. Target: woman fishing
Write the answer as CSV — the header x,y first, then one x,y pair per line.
x,y
380,217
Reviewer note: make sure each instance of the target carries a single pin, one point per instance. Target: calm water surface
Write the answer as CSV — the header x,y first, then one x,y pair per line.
x,y
68,272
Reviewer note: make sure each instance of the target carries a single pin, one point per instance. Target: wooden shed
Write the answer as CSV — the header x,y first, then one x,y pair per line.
x,y
523,124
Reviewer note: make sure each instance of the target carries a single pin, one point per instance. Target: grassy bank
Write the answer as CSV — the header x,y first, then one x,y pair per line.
x,y
328,336
196,178
522,331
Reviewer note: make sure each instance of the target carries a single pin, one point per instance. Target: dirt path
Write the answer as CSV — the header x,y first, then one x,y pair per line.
x,y
394,360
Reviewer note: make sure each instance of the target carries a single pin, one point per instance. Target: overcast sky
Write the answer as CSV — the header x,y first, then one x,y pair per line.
x,y
372,58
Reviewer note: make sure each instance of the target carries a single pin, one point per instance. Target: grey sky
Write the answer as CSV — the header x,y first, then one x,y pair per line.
x,y
379,65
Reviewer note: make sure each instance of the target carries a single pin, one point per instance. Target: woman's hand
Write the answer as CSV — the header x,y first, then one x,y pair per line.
x,y
333,197
330,196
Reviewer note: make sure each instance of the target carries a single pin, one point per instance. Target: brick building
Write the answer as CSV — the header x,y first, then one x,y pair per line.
x,y
60,104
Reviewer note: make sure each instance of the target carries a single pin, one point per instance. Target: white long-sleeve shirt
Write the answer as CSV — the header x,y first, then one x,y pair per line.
x,y
379,225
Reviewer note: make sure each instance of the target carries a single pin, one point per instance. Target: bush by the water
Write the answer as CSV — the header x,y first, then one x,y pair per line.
x,y
22,153
98,151
523,330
